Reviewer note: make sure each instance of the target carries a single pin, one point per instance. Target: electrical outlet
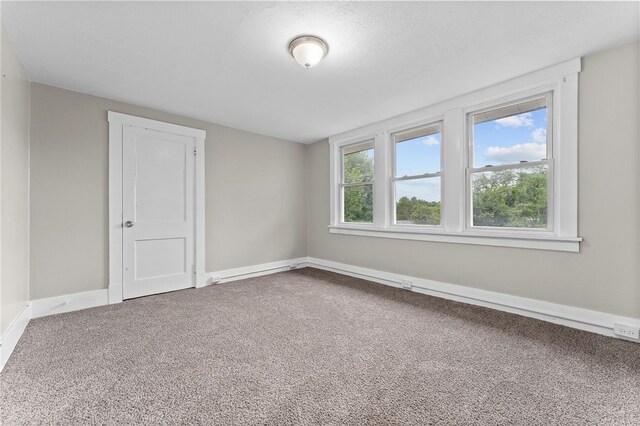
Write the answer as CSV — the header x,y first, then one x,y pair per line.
x,y
626,331
406,283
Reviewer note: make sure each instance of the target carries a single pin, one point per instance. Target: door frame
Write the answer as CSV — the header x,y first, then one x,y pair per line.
x,y
117,121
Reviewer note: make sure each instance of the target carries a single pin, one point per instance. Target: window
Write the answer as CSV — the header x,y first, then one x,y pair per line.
x,y
510,158
495,167
357,182
417,176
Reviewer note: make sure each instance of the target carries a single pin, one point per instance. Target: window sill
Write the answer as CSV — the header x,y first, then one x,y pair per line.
x,y
521,240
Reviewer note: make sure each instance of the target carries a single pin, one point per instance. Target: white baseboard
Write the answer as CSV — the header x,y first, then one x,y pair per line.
x,y
69,303
579,318
90,299
10,339
227,275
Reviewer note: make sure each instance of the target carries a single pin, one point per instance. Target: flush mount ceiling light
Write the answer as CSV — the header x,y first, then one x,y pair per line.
x,y
308,50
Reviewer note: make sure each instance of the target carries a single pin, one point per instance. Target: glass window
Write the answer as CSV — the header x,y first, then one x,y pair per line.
x,y
515,198
486,171
509,176
357,182
417,175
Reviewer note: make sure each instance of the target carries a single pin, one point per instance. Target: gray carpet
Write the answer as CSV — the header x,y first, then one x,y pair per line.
x,y
313,347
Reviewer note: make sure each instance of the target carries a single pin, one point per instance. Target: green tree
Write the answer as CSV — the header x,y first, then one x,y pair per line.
x,y
358,200
418,211
358,167
506,198
403,208
510,198
425,213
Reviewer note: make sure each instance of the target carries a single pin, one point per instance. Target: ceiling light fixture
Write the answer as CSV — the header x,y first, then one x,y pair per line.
x,y
308,50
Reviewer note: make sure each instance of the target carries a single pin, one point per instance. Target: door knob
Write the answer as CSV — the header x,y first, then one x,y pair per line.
x,y
128,224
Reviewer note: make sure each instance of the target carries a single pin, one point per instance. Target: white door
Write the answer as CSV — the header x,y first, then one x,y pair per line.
x,y
158,171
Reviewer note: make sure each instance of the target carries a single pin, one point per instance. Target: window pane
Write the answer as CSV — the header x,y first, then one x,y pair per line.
x,y
418,155
511,198
418,201
511,134
357,163
358,203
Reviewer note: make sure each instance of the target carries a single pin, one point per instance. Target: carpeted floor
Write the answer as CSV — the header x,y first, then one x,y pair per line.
x,y
313,347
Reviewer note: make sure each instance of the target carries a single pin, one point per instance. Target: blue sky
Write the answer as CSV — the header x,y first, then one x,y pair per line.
x,y
511,139
507,140
416,157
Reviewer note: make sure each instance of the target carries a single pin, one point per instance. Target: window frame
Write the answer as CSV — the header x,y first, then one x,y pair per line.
x,y
393,178
470,169
342,184
560,80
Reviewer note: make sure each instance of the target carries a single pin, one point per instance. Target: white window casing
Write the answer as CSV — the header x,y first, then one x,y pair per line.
x,y
558,83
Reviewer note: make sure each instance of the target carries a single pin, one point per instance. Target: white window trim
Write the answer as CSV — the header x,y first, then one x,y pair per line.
x,y
561,80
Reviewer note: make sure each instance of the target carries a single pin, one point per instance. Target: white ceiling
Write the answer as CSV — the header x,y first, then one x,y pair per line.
x,y
228,62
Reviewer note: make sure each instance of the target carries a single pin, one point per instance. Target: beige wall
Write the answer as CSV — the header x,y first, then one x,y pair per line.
x,y
256,212
255,193
604,276
14,262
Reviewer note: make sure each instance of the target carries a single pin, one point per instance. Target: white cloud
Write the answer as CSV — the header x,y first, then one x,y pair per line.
x,y
430,140
520,120
512,154
423,189
539,135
